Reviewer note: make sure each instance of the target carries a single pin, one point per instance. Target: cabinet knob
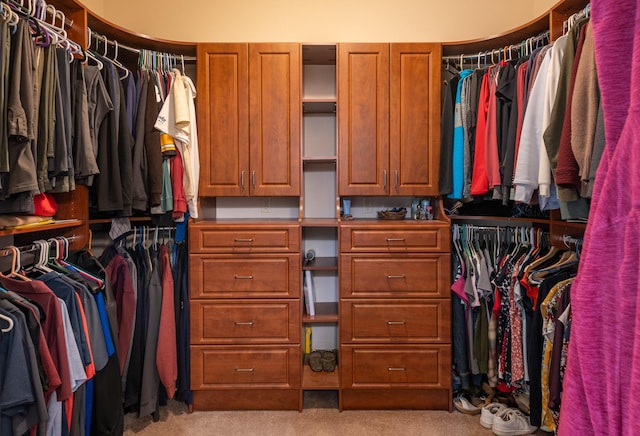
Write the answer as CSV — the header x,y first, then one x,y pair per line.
x,y
244,277
396,277
396,369
243,323
396,322
244,369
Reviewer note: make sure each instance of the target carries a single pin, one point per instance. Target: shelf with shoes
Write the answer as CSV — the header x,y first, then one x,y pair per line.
x,y
319,217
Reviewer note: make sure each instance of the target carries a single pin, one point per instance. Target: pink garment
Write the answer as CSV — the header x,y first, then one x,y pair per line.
x,y
166,354
120,277
491,142
602,383
479,179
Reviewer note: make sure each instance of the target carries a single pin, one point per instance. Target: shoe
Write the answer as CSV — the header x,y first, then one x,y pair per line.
x,y
512,422
328,360
488,412
465,406
522,400
314,359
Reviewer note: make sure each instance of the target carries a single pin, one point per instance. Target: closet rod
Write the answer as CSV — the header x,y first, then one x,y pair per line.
x,y
115,43
489,54
31,247
41,7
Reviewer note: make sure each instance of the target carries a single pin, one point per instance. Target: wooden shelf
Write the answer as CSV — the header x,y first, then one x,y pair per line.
x,y
319,222
325,313
319,54
319,159
320,380
514,36
321,264
59,224
318,105
133,219
499,219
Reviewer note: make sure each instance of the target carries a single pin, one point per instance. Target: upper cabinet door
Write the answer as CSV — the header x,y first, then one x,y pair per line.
x,y
223,113
274,126
363,119
414,119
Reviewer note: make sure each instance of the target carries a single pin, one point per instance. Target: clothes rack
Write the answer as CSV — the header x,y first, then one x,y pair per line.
x,y
139,51
503,53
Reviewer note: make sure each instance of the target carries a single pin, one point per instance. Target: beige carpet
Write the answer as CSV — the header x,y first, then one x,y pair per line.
x,y
319,418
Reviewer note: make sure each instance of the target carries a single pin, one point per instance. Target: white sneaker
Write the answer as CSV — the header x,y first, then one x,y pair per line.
x,y
488,412
512,422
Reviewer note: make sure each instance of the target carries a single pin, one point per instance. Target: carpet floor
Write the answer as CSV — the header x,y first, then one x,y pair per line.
x,y
320,417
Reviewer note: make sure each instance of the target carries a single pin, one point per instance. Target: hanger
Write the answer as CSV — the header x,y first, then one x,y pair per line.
x,y
117,63
9,321
15,265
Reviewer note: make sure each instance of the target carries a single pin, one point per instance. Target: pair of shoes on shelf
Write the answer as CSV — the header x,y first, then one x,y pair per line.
x,y
322,360
505,421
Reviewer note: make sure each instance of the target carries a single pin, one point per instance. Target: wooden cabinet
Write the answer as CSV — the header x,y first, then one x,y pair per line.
x,y
388,124
249,113
244,282
395,315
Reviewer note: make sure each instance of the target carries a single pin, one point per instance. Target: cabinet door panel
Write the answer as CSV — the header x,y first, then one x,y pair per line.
x,y
415,129
376,321
275,119
363,119
379,275
379,366
223,111
242,322
251,276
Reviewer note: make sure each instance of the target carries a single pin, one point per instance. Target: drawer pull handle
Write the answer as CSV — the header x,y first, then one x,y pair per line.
x,y
243,323
396,322
395,239
244,369
396,277
396,369
244,239
244,277
242,180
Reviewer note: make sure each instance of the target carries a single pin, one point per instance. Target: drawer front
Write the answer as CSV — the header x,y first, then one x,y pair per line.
x,y
244,239
251,367
394,239
253,276
375,367
410,321
371,276
254,321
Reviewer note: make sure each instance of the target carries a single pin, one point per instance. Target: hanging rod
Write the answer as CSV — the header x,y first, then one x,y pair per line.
x,y
118,45
501,52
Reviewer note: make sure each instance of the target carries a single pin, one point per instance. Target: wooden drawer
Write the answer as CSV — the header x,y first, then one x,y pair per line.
x,y
394,238
397,366
249,275
242,238
254,321
250,367
385,275
408,321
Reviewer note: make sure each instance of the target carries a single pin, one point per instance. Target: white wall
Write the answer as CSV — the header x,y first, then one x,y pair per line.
x,y
319,21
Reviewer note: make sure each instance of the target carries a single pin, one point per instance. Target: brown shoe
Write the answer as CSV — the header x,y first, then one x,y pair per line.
x,y
329,360
315,361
